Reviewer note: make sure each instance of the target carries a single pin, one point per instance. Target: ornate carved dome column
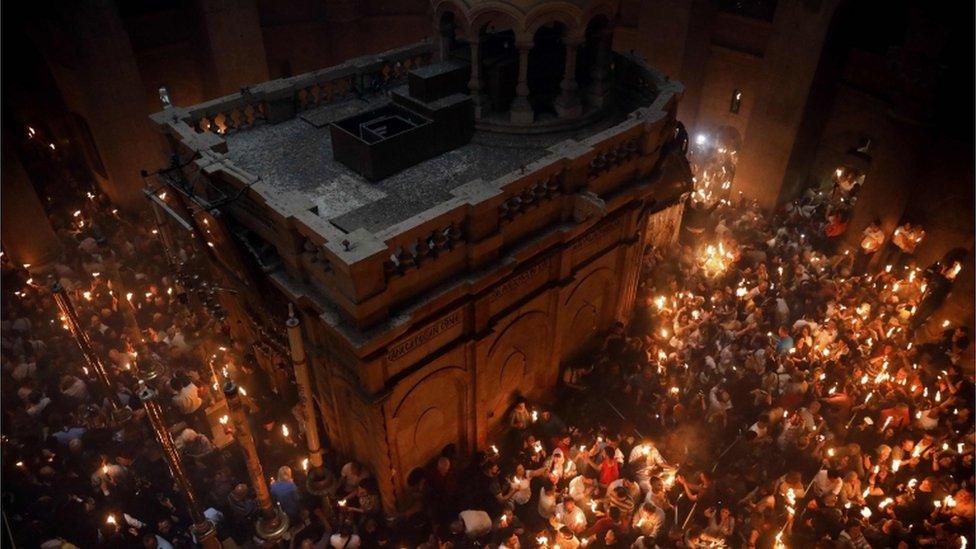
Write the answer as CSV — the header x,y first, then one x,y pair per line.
x,y
474,84
521,111
444,39
568,104
599,88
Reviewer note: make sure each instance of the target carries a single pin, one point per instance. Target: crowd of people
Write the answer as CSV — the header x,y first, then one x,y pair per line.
x,y
77,473
766,394
769,391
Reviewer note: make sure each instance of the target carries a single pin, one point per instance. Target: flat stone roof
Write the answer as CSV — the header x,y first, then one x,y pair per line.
x,y
296,155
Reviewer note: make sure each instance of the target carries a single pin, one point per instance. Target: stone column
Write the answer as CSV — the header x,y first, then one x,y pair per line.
x,y
445,36
297,347
203,530
95,364
232,36
474,84
272,523
599,88
568,104
24,228
521,111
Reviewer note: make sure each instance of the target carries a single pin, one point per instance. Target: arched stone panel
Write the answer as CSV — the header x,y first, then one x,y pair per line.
x,y
460,17
597,9
357,426
495,14
587,310
561,12
429,416
514,363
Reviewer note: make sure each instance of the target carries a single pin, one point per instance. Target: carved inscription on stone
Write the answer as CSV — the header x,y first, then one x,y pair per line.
x,y
422,336
597,235
521,279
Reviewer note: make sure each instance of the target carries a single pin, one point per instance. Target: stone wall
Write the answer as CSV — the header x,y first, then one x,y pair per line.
x,y
453,378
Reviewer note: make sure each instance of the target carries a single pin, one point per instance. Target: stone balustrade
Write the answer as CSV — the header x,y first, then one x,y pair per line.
x,y
279,99
358,271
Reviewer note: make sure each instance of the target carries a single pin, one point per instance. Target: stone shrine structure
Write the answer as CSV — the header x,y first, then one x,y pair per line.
x,y
478,256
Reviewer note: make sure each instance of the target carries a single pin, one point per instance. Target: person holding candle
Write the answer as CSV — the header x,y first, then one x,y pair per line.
x,y
904,241
872,239
285,492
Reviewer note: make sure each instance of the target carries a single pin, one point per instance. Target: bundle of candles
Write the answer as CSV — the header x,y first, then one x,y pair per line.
x,y
715,259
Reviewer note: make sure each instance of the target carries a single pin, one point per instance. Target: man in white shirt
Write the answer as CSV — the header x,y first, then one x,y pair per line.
x,y
649,519
476,523
581,488
568,514
871,241
187,398
344,538
827,483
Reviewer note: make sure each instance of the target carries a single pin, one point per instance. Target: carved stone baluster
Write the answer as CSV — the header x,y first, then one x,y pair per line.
x,y
552,186
406,259
439,240
453,235
539,190
422,250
